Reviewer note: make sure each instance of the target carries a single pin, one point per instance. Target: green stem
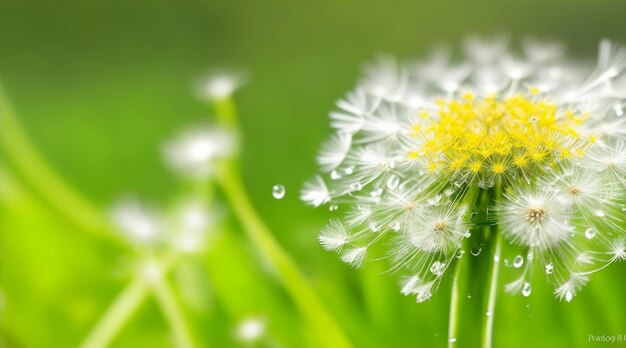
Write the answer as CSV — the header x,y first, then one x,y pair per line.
x,y
492,293
171,310
326,329
494,267
454,305
28,163
126,303
471,320
288,274
117,315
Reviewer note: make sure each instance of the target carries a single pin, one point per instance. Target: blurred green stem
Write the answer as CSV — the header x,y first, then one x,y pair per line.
x,y
131,298
169,305
28,163
326,329
117,315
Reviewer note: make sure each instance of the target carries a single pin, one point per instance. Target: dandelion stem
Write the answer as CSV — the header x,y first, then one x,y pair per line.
x,y
326,329
117,315
171,310
491,297
492,276
454,305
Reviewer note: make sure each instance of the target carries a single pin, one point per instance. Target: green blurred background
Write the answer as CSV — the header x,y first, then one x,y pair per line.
x,y
98,86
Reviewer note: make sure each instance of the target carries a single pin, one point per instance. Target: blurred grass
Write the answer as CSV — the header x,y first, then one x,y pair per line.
x,y
99,86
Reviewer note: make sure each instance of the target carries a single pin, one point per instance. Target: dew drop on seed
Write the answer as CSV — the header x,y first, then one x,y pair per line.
x,y
467,234
568,296
437,268
349,170
489,313
518,261
469,295
452,340
549,268
527,289
393,182
476,251
374,227
460,254
590,233
496,258
278,191
333,207
334,175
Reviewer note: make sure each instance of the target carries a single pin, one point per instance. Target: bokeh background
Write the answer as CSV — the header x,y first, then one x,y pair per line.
x,y
98,87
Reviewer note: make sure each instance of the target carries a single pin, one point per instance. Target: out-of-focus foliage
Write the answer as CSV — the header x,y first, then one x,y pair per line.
x,y
98,87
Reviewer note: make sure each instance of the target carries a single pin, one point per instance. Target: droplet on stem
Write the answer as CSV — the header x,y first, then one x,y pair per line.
x,y
518,261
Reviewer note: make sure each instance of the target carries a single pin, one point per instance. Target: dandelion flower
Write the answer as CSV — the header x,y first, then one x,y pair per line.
x,y
525,141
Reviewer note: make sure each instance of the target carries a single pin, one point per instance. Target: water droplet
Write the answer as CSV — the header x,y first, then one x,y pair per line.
x,y
467,234
476,251
437,268
527,289
349,170
356,186
434,200
507,263
549,268
393,182
334,175
469,295
590,233
377,192
568,296
333,207
452,340
496,258
518,261
278,191
489,313
395,226
460,254
374,227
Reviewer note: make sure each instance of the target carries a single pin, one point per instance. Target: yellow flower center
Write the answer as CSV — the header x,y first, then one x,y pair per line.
x,y
496,135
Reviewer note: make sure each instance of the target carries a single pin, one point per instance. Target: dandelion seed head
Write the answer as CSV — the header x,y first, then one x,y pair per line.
x,y
417,145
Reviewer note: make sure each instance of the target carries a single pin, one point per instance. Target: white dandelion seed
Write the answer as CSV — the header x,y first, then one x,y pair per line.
x,y
334,236
532,144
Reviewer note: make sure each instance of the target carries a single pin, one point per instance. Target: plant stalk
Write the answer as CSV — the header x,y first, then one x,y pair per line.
x,y
228,177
